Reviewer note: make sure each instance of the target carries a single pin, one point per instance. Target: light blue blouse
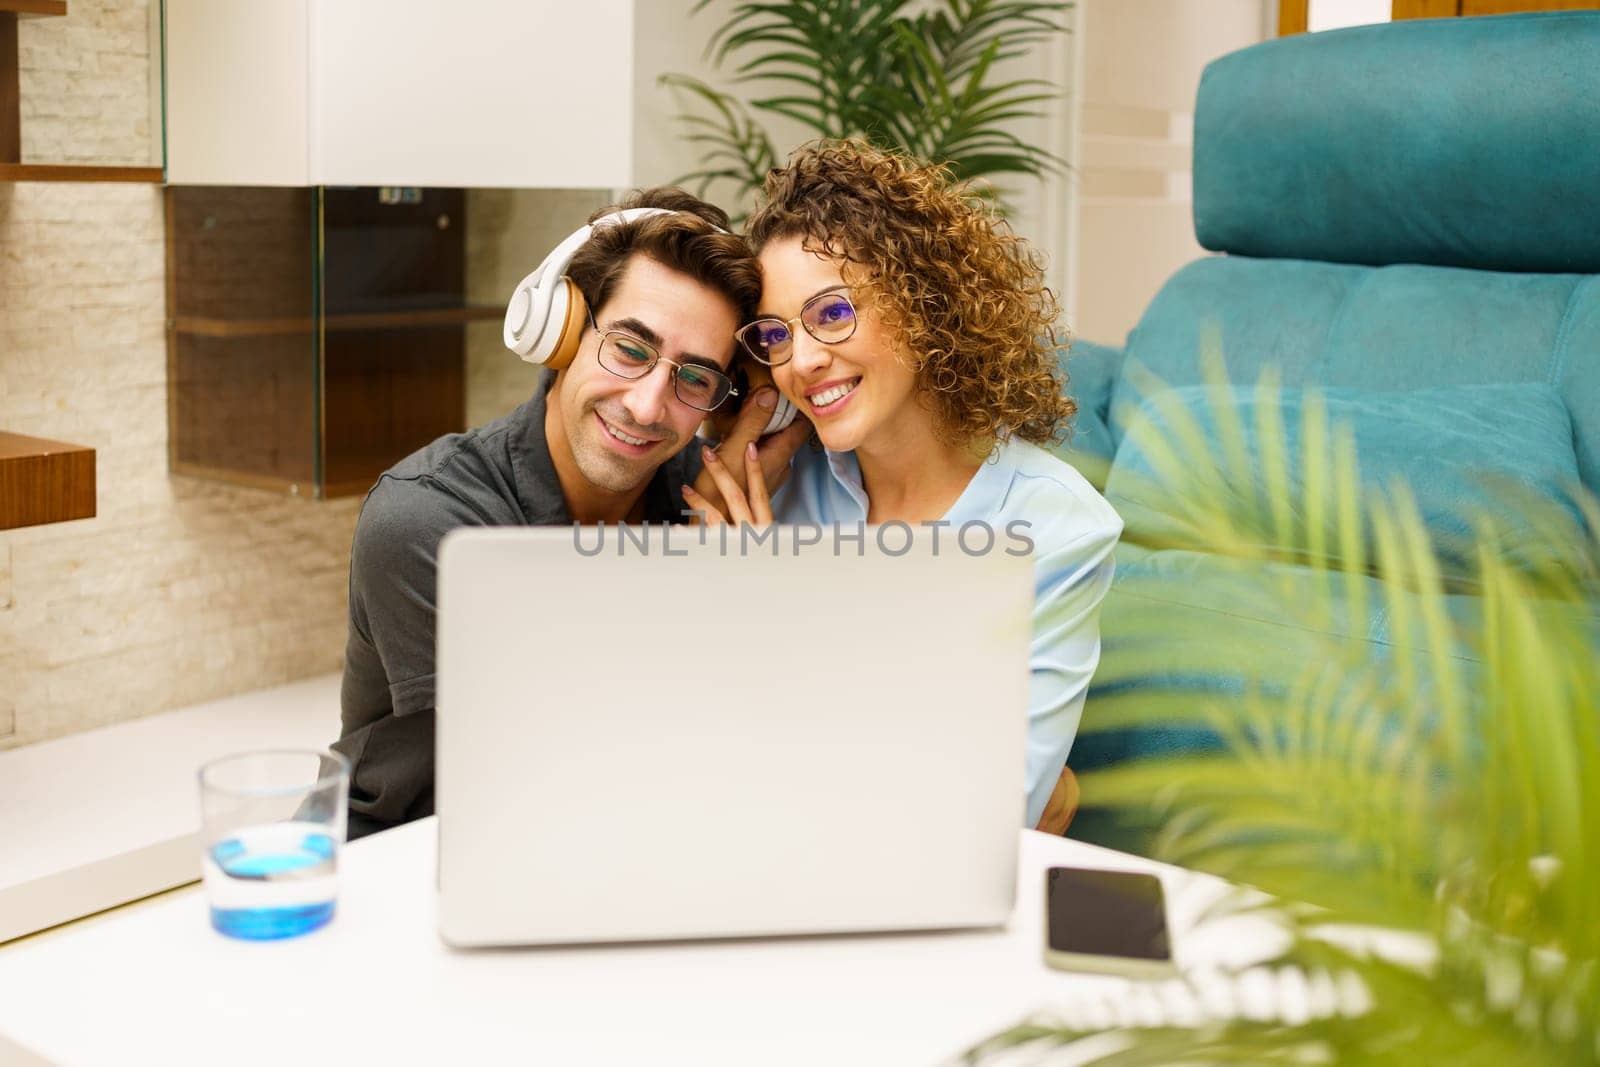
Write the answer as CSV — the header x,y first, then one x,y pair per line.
x,y
1073,530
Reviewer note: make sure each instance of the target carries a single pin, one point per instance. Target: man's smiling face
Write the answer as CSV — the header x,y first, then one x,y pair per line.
x,y
617,431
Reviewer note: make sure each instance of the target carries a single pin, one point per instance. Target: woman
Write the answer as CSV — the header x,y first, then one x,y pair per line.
x,y
914,330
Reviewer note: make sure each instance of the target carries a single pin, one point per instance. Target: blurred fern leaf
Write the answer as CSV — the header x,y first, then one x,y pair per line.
x,y
1443,782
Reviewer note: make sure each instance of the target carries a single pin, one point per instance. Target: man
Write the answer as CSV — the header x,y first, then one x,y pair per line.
x,y
594,444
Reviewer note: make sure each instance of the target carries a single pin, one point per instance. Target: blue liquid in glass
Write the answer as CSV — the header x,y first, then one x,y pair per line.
x,y
271,882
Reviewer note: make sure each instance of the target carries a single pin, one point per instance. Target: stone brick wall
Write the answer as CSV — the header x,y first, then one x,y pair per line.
x,y
88,85
178,591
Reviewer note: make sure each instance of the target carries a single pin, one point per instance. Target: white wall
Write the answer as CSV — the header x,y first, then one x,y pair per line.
x,y
670,38
1140,68
1337,14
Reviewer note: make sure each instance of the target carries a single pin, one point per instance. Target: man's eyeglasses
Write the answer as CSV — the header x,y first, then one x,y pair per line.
x,y
829,317
702,388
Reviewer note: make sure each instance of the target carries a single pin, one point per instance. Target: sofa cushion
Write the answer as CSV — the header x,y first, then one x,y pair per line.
x,y
1464,142
1503,451
1090,371
1390,328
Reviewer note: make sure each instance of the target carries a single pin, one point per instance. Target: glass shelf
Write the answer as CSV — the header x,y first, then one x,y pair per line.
x,y
316,336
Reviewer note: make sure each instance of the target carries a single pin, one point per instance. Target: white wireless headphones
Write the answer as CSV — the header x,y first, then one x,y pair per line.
x,y
546,315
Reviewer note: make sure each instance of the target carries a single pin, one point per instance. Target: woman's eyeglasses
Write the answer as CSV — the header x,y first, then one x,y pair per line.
x,y
829,317
702,388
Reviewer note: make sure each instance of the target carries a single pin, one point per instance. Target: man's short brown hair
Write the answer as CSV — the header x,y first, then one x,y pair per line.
x,y
691,241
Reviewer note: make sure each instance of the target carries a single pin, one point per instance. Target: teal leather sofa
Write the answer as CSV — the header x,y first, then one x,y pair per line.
x,y
1408,217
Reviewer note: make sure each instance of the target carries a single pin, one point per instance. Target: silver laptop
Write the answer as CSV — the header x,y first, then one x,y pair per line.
x,y
642,736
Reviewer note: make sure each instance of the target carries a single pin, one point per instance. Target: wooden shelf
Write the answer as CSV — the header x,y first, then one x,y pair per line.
x,y
44,481
33,8
66,172
415,319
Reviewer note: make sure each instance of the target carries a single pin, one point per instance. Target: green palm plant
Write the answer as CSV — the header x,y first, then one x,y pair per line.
x,y
914,75
1448,787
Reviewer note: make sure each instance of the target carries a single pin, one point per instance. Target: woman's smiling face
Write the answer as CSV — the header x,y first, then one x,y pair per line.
x,y
856,391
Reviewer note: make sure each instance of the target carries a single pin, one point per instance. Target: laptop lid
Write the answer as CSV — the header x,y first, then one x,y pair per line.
x,y
642,736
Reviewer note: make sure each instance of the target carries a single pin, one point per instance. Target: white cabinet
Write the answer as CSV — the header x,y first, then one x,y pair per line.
x,y
521,93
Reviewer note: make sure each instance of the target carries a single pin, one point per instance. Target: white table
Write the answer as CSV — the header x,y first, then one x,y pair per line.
x,y
154,984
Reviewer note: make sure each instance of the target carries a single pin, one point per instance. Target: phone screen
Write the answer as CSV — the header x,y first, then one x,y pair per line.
x,y
1107,913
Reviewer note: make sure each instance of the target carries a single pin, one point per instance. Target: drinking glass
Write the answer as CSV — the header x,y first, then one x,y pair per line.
x,y
272,823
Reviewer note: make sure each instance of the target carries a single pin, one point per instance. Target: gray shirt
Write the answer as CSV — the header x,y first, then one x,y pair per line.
x,y
500,474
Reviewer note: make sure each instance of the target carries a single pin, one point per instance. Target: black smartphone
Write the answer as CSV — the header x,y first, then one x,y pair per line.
x,y
1108,922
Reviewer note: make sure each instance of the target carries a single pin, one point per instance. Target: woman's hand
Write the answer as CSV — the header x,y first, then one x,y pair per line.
x,y
753,508
775,451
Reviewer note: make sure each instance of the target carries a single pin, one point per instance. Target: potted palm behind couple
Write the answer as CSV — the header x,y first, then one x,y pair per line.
x,y
931,78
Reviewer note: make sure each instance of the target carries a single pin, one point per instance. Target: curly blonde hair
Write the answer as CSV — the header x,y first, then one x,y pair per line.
x,y
962,295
